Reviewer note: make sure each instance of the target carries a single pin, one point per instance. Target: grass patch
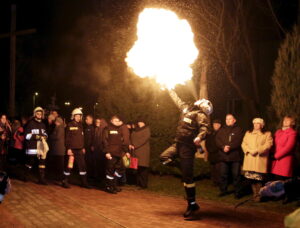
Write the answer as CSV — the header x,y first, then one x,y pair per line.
x,y
172,186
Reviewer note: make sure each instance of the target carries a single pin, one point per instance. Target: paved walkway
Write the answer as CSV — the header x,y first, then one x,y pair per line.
x,y
32,205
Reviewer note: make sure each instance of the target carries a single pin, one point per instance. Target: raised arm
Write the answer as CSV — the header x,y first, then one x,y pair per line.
x,y
179,103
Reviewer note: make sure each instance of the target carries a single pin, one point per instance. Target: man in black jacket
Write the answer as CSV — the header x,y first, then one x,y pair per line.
x,y
35,132
75,148
213,152
229,140
89,135
115,145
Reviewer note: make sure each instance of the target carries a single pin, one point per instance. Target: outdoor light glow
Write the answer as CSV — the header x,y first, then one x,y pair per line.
x,y
36,93
165,48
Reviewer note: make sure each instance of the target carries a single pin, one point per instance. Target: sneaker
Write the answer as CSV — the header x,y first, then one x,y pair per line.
x,y
191,209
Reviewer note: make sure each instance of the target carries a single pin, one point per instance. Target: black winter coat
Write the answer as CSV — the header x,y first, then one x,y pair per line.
x,y
140,138
212,148
233,137
89,134
56,141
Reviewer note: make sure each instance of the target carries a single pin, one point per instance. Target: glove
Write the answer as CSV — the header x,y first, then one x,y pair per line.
x,y
38,137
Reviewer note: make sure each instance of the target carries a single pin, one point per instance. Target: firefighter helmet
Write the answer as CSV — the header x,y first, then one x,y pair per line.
x,y
38,109
204,105
76,111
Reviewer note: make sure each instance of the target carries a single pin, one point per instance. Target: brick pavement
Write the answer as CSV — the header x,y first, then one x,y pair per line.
x,y
32,205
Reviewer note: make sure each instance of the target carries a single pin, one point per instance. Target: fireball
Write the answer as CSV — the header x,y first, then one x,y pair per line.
x,y
165,48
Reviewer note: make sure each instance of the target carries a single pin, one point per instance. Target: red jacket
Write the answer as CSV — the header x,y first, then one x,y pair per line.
x,y
19,138
284,150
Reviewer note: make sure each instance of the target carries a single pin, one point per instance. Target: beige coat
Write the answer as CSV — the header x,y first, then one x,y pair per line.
x,y
256,146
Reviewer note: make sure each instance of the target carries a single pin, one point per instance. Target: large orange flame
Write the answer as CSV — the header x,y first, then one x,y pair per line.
x,y
164,49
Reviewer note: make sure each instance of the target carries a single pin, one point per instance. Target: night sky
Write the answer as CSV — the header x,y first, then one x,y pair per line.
x,y
71,41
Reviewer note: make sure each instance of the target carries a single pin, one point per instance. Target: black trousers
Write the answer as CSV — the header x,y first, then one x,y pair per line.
x,y
187,156
100,165
91,163
55,167
215,173
32,160
114,168
227,170
142,176
79,160
3,162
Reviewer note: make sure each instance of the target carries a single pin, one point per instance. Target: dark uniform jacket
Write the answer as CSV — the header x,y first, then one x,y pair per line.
x,y
89,134
113,140
98,139
74,135
233,137
33,129
192,123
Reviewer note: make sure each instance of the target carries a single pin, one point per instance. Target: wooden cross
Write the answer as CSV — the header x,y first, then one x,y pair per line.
x,y
13,35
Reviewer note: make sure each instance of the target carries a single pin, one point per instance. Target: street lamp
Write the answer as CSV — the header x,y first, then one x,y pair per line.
x,y
34,98
96,104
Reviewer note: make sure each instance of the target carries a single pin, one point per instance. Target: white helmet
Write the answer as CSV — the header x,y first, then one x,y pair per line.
x,y
38,109
76,111
205,105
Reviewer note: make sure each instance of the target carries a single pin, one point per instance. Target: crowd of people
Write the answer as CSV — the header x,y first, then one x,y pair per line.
x,y
97,147
101,150
255,157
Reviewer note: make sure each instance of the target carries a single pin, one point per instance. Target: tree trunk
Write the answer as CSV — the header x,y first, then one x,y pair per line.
x,y
203,81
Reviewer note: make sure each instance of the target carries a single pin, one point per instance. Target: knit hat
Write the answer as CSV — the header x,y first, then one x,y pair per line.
x,y
259,120
217,121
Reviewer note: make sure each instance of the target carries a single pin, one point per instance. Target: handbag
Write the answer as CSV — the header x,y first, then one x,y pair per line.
x,y
133,161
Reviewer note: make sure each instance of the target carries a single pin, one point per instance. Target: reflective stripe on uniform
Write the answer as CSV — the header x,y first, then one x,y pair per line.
x,y
29,166
42,166
82,173
31,151
118,175
109,177
28,136
112,132
189,185
67,173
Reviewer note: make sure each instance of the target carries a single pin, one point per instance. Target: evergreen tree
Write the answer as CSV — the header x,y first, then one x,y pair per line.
x,y
285,96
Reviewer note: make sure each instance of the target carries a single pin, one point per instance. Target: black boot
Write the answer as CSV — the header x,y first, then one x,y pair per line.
x,y
65,183
191,198
110,186
84,182
42,180
25,175
191,208
116,186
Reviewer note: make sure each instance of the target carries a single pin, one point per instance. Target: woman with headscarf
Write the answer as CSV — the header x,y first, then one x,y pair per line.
x,y
256,146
